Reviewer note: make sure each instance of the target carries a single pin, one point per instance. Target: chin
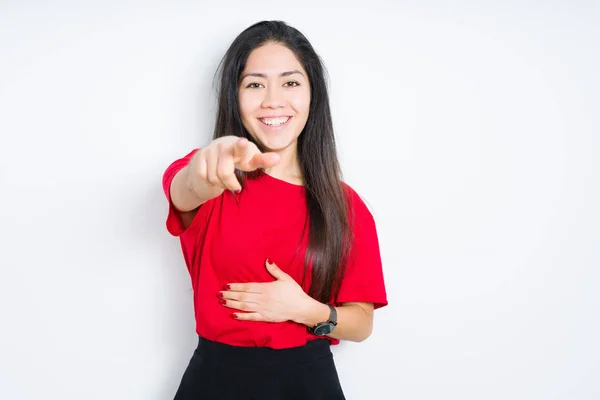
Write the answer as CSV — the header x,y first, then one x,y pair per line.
x,y
275,142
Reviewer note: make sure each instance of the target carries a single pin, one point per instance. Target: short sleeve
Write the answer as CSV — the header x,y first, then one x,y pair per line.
x,y
363,279
174,222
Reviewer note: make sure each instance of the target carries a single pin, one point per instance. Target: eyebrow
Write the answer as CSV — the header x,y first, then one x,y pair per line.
x,y
259,75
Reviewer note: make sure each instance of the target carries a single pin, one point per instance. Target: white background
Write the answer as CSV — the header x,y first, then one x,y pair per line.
x,y
471,131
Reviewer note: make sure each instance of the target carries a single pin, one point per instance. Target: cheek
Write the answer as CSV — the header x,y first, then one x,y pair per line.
x,y
301,103
247,105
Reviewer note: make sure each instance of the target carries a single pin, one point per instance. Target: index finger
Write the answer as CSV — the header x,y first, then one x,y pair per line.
x,y
264,160
248,157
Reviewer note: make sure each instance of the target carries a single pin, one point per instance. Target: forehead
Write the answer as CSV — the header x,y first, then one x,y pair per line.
x,y
272,58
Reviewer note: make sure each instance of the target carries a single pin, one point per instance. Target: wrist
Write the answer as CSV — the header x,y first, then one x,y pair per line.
x,y
313,313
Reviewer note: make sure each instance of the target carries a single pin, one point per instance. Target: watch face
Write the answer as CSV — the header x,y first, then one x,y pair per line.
x,y
323,330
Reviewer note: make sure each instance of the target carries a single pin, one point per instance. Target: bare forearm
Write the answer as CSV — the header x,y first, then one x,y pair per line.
x,y
186,199
354,321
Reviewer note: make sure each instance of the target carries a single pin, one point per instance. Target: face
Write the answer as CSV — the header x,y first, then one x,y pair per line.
x,y
274,96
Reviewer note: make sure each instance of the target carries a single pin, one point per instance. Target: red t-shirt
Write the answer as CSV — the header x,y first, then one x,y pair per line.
x,y
230,238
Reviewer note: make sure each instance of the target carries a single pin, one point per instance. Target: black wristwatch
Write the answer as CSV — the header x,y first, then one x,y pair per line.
x,y
326,327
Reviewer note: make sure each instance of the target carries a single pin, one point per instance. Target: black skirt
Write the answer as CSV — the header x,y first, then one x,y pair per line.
x,y
224,372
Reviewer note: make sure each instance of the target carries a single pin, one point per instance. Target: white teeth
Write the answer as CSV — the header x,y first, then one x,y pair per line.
x,y
275,121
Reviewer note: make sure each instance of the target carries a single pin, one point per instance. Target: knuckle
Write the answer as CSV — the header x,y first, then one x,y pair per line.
x,y
221,174
201,172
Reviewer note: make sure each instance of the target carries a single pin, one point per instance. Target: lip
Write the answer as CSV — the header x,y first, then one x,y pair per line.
x,y
271,127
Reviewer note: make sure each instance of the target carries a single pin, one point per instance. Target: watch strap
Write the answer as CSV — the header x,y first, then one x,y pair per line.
x,y
332,315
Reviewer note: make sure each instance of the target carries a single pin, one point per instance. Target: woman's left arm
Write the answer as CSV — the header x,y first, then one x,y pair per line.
x,y
354,320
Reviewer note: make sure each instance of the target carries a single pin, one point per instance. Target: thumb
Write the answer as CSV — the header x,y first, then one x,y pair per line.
x,y
275,270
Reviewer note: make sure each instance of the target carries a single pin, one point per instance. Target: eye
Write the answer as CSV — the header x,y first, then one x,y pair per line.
x,y
253,85
292,84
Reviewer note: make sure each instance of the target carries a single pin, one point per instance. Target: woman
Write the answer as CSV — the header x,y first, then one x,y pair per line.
x,y
283,256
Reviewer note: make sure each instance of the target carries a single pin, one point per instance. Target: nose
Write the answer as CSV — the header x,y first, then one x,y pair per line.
x,y
274,97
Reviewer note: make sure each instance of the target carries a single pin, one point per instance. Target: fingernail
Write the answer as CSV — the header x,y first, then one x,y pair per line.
x,y
269,261
226,287
219,294
222,301
235,316
238,191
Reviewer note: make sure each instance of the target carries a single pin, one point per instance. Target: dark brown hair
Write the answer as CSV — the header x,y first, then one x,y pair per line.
x,y
326,198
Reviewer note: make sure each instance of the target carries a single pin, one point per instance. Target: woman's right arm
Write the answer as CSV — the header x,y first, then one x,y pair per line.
x,y
211,170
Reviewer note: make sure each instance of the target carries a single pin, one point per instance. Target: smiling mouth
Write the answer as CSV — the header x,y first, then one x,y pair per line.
x,y
279,121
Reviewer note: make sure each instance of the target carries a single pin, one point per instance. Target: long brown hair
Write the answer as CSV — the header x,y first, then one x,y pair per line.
x,y
328,216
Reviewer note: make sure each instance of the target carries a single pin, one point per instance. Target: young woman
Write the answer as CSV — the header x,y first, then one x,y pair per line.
x,y
283,255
